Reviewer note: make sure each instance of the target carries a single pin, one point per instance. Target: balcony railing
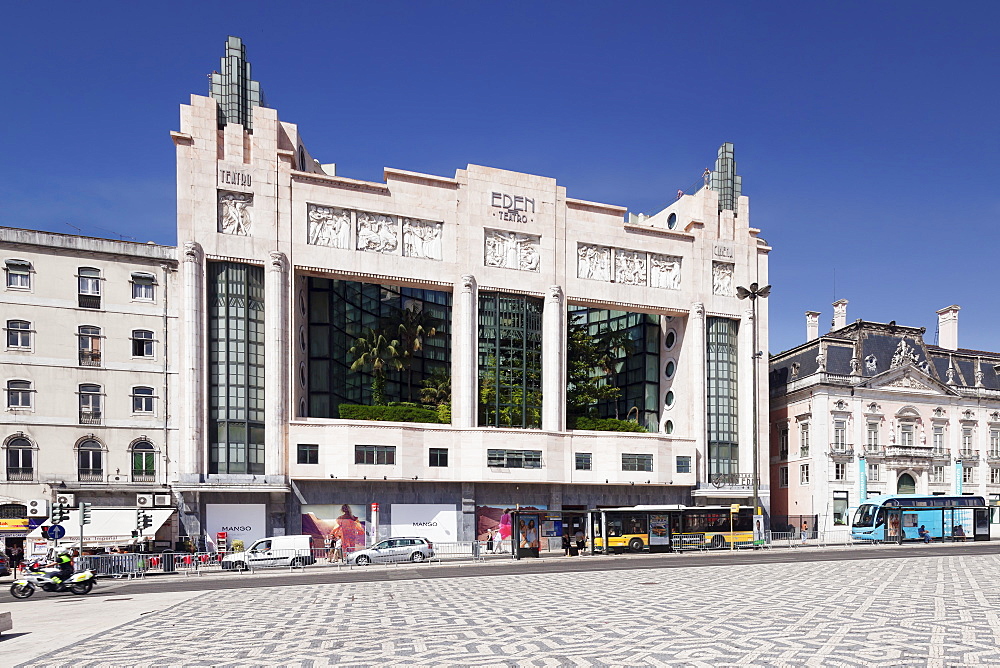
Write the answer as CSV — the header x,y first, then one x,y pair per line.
x,y
142,476
90,301
993,455
90,417
91,475
20,475
90,358
968,454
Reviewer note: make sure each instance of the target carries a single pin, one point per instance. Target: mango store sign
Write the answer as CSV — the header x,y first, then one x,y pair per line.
x,y
436,522
240,521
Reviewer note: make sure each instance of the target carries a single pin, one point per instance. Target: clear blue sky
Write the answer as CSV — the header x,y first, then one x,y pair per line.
x,y
866,133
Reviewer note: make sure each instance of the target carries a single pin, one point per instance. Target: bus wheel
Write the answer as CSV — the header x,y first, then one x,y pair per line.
x,y
718,541
635,545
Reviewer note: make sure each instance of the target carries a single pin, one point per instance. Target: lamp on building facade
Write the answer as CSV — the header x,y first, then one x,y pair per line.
x,y
752,293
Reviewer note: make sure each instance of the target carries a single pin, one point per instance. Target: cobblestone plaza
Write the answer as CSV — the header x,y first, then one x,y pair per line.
x,y
929,611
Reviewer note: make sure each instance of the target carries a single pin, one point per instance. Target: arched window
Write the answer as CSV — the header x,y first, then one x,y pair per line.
x,y
90,345
90,404
143,462
20,460
91,461
18,394
19,334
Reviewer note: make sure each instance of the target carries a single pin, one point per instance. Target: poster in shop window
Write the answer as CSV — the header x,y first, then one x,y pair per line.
x,y
347,522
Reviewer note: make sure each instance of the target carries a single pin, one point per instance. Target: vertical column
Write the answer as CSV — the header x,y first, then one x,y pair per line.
x,y
745,378
554,360
276,355
465,348
699,429
192,408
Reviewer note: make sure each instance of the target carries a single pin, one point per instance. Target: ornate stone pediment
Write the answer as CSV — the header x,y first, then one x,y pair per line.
x,y
910,380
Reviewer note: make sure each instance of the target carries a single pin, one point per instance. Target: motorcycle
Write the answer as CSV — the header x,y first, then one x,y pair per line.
x,y
35,577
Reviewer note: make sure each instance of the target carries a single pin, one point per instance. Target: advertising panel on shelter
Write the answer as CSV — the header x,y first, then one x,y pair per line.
x,y
434,521
239,521
496,520
347,522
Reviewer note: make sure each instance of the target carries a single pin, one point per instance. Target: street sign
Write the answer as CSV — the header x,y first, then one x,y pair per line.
x,y
56,531
375,507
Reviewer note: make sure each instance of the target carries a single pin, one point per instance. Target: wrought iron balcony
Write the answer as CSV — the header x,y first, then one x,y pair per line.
x,y
90,417
20,475
90,358
91,475
90,301
142,476
968,454
993,455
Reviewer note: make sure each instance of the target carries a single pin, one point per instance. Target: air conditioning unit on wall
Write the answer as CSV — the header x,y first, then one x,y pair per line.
x,y
38,508
162,500
66,499
143,500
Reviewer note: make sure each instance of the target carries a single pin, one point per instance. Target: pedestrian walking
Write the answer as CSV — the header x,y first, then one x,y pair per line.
x,y
338,549
805,532
489,540
328,545
565,543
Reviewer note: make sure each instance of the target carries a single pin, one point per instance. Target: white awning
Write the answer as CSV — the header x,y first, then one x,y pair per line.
x,y
109,525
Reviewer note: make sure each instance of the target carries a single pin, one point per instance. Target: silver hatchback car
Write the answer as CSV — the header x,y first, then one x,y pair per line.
x,y
407,548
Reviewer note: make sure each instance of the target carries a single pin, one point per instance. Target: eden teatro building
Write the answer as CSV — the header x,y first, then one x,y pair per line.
x,y
447,346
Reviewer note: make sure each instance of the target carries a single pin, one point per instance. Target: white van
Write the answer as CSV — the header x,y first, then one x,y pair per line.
x,y
274,551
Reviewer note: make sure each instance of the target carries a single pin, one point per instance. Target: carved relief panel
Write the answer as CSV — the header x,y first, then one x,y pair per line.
x,y
329,226
630,267
377,233
511,250
722,279
421,238
234,213
593,262
665,271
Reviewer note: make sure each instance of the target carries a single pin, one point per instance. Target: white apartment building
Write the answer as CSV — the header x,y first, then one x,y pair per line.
x,y
88,326
872,408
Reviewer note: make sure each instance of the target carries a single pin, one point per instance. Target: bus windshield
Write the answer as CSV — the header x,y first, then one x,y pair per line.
x,y
865,517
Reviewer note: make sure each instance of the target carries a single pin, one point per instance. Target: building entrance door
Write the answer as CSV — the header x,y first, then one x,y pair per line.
x,y
906,484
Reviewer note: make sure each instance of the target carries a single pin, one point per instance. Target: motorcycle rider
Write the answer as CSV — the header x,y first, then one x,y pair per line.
x,y
64,563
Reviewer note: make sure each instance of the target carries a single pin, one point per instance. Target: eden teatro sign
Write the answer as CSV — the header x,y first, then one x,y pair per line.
x,y
512,208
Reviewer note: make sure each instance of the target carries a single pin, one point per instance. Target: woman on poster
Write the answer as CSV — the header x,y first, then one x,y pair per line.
x,y
350,530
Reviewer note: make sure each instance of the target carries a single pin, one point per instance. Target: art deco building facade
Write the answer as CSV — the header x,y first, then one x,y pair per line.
x,y
872,408
484,284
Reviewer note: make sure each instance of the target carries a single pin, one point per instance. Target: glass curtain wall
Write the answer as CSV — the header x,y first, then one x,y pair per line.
x,y
629,345
723,438
510,360
341,311
236,367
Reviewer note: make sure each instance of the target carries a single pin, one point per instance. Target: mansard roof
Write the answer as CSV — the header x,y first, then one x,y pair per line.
x,y
877,348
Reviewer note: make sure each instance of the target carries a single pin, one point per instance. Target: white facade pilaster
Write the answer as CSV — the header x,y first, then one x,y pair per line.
x,y
277,352
465,347
193,352
554,360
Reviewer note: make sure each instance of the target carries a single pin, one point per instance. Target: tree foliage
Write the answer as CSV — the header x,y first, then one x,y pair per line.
x,y
378,353
590,362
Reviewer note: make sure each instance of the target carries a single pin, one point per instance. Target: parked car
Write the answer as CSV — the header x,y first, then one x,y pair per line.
x,y
274,551
5,565
407,548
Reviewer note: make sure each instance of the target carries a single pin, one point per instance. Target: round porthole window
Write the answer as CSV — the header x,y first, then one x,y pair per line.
x,y
669,427
671,339
671,221
670,398
302,302
302,407
669,370
302,339
302,374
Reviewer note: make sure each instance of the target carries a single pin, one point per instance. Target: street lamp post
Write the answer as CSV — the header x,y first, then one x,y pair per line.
x,y
752,293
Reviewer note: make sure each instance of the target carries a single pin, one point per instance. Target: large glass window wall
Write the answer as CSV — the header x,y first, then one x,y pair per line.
x,y
236,367
340,312
723,438
626,350
510,360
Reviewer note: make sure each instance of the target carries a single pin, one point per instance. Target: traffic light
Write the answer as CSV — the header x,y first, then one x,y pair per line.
x,y
147,520
143,520
45,532
60,513
85,513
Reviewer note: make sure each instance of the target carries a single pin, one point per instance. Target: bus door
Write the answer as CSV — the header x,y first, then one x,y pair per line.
x,y
894,525
982,524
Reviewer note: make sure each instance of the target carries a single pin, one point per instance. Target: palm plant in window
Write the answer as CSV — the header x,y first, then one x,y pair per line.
x,y
414,325
378,353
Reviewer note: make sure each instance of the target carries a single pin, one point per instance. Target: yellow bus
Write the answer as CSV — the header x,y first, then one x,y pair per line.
x,y
665,528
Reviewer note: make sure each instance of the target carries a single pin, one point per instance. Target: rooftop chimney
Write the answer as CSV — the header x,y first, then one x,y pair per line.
x,y
812,325
948,327
840,313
